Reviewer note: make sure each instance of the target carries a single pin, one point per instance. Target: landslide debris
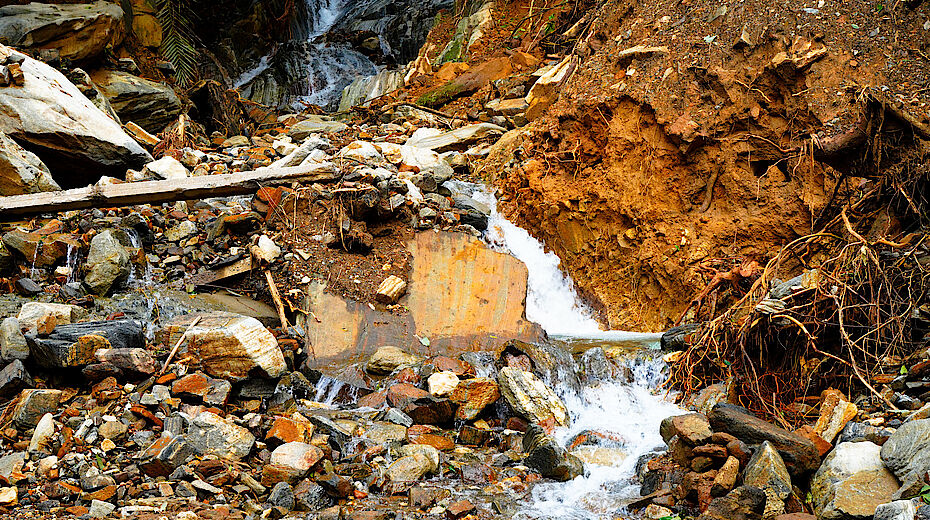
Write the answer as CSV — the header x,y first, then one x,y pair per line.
x,y
689,139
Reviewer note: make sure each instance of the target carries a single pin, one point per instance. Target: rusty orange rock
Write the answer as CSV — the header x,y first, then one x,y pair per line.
x,y
422,434
473,396
285,430
401,395
376,400
457,367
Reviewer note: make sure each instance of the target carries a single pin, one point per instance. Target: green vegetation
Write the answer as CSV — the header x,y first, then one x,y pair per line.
x,y
440,96
178,37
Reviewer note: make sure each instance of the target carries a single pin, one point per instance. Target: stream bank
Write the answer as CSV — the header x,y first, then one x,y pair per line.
x,y
400,369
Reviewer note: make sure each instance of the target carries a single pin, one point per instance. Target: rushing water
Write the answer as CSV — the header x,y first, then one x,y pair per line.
x,y
624,403
317,71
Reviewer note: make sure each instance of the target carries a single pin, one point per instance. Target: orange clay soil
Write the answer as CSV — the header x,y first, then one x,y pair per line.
x,y
652,174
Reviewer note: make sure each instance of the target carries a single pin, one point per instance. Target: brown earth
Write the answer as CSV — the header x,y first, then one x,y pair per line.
x,y
654,172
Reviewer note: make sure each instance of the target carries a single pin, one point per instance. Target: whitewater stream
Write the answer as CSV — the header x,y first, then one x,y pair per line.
x,y
327,68
625,405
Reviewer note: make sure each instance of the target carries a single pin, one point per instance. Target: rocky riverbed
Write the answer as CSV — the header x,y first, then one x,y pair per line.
x,y
294,314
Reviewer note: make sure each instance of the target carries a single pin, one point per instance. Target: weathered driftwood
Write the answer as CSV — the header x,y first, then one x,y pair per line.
x,y
152,192
391,289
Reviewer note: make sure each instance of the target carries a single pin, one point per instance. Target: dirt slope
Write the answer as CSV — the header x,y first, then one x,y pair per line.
x,y
726,139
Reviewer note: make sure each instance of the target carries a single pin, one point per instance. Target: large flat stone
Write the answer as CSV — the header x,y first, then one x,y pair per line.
x,y
77,31
481,292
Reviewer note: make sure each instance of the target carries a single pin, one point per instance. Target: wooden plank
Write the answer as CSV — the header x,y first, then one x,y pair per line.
x,y
207,277
156,192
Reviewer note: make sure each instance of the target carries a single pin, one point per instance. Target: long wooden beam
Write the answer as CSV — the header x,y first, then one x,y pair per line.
x,y
155,192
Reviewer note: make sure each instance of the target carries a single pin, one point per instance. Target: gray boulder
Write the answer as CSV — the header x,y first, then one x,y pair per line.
x,y
51,118
107,263
766,471
530,397
21,172
77,31
549,458
211,434
907,452
12,342
897,510
852,482
148,104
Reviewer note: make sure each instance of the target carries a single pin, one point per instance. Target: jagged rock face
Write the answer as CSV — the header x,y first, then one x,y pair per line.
x,y
767,471
78,32
401,25
364,89
50,117
327,55
21,171
147,103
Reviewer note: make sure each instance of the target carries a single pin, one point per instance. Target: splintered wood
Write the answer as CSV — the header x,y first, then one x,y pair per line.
x,y
391,289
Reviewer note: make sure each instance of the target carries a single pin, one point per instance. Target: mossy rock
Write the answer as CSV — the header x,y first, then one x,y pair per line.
x,y
440,96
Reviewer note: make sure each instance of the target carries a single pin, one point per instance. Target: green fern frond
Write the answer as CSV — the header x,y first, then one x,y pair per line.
x,y
178,38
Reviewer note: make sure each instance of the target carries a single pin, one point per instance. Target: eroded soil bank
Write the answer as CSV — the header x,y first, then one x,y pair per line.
x,y
695,137
755,172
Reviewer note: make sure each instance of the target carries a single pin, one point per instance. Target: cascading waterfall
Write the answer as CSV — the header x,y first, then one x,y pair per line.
x,y
319,70
330,67
629,409
551,298
71,260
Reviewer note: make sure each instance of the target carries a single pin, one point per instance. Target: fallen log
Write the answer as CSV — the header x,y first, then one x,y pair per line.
x,y
153,192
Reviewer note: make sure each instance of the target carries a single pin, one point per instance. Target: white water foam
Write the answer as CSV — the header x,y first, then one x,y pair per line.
x,y
327,67
252,73
631,411
627,410
551,298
